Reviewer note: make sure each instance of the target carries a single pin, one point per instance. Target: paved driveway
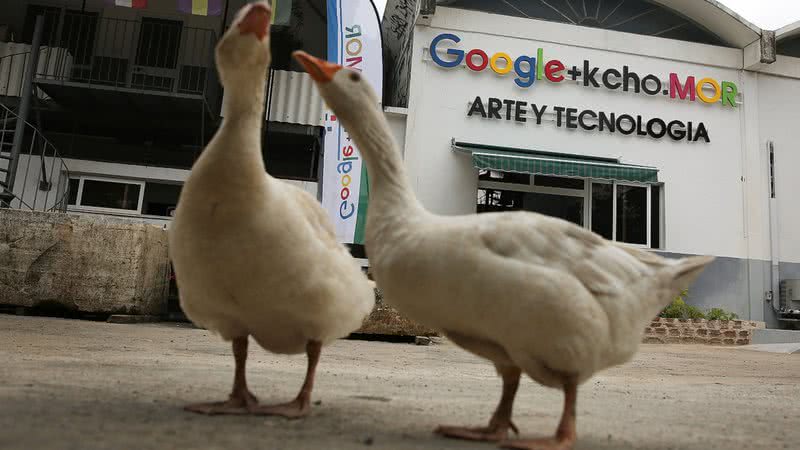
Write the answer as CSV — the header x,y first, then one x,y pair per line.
x,y
87,385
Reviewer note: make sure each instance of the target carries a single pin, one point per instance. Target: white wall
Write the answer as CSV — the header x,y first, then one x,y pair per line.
x,y
779,120
26,183
704,191
397,124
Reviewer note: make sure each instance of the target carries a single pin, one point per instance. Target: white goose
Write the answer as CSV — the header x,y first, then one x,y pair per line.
x,y
254,256
531,293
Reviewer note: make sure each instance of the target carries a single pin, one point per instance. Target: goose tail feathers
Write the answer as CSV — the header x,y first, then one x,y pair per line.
x,y
686,271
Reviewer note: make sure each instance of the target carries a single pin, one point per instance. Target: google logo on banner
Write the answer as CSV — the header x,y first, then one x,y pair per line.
x,y
529,69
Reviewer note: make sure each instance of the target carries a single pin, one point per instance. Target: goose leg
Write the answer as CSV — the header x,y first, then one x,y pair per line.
x,y
497,430
565,435
241,400
301,405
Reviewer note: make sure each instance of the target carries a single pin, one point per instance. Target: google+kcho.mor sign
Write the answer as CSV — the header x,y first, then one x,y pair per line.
x,y
530,69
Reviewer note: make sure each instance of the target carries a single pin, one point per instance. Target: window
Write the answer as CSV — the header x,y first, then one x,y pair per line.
x,y
109,195
632,214
292,151
655,217
558,182
77,31
299,25
74,184
603,210
789,47
492,200
157,54
282,9
159,41
626,212
78,35
505,177
50,25
160,199
623,212
552,196
569,208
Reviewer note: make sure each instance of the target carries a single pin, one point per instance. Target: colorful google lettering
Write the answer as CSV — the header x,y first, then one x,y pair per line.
x,y
530,69
347,155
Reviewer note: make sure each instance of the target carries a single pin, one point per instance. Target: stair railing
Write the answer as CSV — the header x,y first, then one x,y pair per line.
x,y
42,180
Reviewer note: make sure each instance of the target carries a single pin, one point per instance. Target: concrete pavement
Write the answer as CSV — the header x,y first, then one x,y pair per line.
x,y
68,384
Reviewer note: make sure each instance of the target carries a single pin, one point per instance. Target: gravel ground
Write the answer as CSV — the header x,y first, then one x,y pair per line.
x,y
87,385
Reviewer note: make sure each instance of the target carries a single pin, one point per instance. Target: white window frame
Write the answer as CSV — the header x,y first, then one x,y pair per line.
x,y
78,207
533,189
649,214
586,194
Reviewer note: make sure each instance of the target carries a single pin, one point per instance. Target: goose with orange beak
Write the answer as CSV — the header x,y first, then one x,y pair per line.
x,y
531,293
254,256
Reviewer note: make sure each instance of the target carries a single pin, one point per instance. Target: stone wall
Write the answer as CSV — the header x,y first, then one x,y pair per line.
x,y
107,265
700,331
91,264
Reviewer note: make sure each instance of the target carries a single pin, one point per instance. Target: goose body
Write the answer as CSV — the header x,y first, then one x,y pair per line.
x,y
254,256
533,294
531,290
275,272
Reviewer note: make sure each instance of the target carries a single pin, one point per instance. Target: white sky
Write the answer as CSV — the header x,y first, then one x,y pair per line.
x,y
381,5
766,14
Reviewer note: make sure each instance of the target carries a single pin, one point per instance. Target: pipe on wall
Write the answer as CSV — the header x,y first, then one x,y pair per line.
x,y
774,236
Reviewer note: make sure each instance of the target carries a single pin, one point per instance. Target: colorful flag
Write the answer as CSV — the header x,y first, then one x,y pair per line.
x,y
139,4
354,40
201,7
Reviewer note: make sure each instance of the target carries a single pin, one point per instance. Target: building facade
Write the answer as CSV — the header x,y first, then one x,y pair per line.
x,y
664,124
660,124
125,95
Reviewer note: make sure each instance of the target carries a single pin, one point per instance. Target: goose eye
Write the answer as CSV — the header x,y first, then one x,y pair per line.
x,y
355,76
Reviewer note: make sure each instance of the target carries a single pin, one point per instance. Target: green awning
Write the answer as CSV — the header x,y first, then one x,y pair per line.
x,y
557,164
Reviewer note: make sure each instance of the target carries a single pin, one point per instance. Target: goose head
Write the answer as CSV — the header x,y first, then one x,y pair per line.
x,y
344,90
243,53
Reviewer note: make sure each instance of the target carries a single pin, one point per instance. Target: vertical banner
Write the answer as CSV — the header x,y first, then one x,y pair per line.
x,y
354,41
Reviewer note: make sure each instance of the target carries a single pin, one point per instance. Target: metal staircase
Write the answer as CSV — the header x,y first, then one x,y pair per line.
x,y
8,123
33,175
40,182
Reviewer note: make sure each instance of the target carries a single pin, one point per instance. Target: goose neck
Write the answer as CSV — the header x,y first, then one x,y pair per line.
x,y
244,99
389,186
394,211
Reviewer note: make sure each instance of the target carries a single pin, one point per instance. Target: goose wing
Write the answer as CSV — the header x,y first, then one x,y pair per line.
x,y
603,267
313,212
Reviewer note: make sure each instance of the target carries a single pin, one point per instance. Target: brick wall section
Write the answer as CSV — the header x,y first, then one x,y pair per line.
x,y
700,331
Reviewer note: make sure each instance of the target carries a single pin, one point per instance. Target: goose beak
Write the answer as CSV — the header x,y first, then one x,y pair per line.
x,y
256,20
320,70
